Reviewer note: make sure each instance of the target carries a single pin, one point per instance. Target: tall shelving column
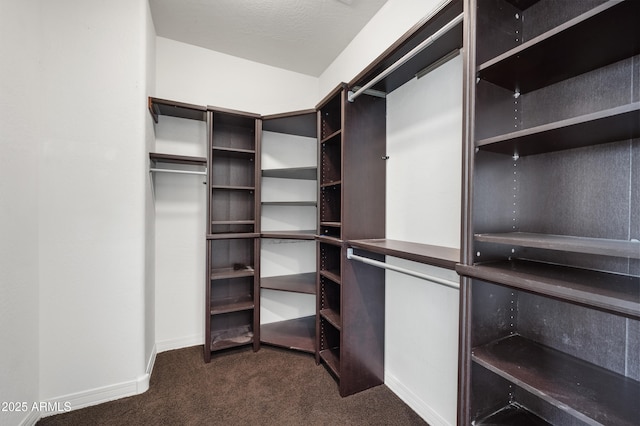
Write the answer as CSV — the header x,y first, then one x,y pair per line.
x,y
350,312
288,230
551,293
233,261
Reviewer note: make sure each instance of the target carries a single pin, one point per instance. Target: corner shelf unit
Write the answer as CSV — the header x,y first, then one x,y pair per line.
x,y
551,289
289,216
233,211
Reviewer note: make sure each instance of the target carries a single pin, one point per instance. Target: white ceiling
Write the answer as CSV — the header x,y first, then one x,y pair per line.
x,y
298,35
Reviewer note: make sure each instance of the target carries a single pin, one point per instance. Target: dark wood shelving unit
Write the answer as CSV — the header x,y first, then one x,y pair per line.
x,y
296,333
616,293
551,260
590,129
590,393
599,246
552,57
233,212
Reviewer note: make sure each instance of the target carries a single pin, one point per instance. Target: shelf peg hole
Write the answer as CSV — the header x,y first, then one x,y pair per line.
x,y
385,157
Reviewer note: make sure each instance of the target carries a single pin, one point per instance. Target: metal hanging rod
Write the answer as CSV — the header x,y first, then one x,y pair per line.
x,y
435,280
185,172
419,48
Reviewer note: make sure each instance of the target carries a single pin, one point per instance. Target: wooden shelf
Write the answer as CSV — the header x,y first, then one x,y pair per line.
x,y
290,203
597,246
332,138
444,257
523,4
331,358
232,304
291,235
590,393
619,294
302,173
233,222
158,107
230,338
334,183
513,414
610,125
300,123
177,159
298,283
608,30
226,273
329,239
332,317
332,275
232,235
233,188
297,334
233,152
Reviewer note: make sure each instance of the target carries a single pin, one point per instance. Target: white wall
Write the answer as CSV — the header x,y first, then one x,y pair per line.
x,y
180,205
91,189
149,76
394,19
200,76
19,134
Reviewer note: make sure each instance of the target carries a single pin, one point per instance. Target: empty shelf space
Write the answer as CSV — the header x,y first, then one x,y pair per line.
x,y
615,293
169,108
513,414
298,334
333,275
232,304
445,257
332,317
331,358
597,246
298,283
587,392
610,125
177,159
229,338
303,173
305,234
609,30
234,272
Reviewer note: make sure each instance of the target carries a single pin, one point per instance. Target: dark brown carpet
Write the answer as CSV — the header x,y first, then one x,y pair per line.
x,y
242,387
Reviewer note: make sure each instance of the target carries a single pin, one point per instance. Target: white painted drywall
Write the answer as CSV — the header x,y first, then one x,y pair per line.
x,y
19,140
394,19
196,75
91,190
150,223
424,144
180,206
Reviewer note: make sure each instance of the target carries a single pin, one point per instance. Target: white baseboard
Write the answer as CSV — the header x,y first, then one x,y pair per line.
x,y
96,396
412,400
182,342
31,419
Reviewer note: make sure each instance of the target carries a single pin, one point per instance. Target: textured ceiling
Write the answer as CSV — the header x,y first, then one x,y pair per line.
x,y
299,35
